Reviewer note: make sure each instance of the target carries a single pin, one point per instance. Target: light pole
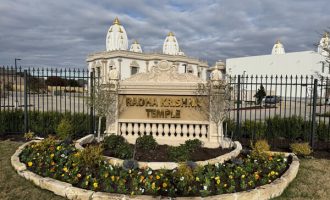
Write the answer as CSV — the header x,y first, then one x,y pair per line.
x,y
16,59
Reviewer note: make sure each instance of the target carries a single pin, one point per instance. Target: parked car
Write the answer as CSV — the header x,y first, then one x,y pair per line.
x,y
271,100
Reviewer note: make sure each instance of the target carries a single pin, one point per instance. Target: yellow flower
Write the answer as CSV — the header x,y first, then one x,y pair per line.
x,y
141,178
52,163
225,185
197,179
231,177
112,178
58,148
157,177
95,185
218,181
243,176
30,164
217,178
52,155
153,186
272,173
65,169
256,176
164,185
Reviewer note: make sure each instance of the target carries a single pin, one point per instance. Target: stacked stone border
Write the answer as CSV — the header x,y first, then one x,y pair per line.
x,y
64,189
163,165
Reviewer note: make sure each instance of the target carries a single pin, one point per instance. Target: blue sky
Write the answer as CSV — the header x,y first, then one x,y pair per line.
x,y
62,33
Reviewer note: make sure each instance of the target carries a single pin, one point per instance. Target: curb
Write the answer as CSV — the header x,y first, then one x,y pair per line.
x,y
163,165
64,189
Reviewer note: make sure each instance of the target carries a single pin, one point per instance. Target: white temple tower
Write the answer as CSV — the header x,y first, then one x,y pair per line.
x,y
136,47
278,48
171,45
324,44
116,37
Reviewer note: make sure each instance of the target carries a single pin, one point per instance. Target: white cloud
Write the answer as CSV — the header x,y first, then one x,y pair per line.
x,y
61,32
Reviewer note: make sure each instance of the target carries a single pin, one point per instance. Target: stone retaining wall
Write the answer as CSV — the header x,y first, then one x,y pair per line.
x,y
163,165
268,191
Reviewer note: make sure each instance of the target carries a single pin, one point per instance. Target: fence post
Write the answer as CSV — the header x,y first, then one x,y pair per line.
x,y
26,121
313,114
91,86
238,104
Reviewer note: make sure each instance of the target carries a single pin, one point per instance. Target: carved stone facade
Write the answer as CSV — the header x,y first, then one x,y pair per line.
x,y
167,105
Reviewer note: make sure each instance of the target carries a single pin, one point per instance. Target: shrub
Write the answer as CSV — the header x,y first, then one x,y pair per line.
x,y
91,156
193,145
179,153
301,149
259,148
146,142
29,135
111,142
64,130
124,151
254,129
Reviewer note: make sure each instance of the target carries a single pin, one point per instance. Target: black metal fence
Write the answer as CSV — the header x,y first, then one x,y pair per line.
x,y
281,109
37,99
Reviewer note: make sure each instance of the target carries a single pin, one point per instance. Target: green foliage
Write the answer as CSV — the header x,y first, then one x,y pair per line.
x,y
29,135
118,146
254,129
91,156
260,148
193,145
146,142
301,149
64,130
86,169
124,151
179,153
113,141
44,123
261,93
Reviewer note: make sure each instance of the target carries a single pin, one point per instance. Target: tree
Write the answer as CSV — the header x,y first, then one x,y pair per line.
x,y
104,100
261,93
218,93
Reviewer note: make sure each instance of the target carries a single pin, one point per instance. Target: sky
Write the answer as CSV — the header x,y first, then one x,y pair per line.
x,y
61,33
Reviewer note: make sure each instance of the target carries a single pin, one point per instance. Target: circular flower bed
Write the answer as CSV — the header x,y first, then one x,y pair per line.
x,y
87,169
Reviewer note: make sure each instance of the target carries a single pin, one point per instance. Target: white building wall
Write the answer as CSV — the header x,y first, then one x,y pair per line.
x,y
296,63
305,63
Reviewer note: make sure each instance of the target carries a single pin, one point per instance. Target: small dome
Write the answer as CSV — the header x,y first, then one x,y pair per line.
x,y
116,37
324,44
278,48
136,47
171,45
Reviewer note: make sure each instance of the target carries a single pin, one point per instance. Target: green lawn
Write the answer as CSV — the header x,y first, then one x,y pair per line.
x,y
312,182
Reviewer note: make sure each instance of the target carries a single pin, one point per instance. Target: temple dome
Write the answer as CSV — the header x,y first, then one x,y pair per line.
x,y
136,47
116,37
324,44
278,48
171,45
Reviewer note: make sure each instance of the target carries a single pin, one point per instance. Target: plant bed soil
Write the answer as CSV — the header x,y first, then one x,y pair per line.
x,y
160,153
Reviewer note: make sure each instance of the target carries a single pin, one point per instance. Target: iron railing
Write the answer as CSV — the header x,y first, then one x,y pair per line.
x,y
291,109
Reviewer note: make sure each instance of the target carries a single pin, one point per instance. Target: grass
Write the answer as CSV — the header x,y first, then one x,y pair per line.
x,y
13,186
312,181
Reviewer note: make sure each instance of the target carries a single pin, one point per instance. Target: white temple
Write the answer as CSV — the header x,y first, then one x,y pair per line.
x,y
278,48
280,62
127,62
116,37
